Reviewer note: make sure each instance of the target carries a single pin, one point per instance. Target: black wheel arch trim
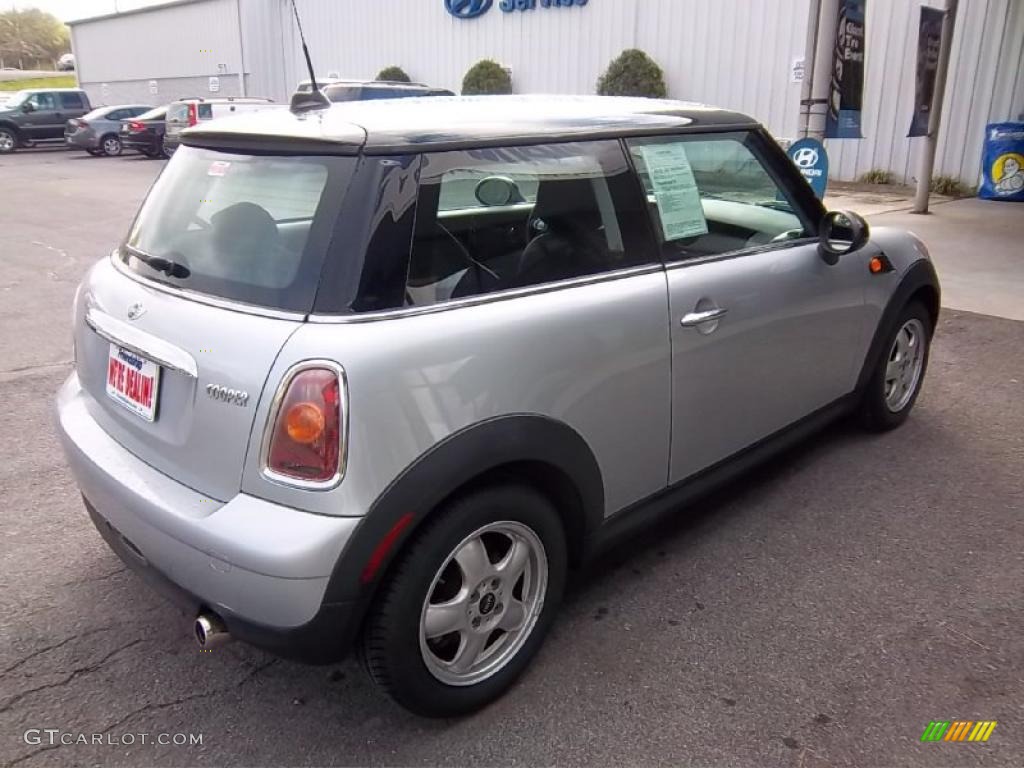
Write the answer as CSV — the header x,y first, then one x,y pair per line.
x,y
921,274
453,463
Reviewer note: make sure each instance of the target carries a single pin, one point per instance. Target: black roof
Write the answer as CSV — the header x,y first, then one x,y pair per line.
x,y
395,126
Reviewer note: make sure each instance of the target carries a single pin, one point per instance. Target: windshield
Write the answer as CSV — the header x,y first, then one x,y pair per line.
x,y
154,114
17,99
246,228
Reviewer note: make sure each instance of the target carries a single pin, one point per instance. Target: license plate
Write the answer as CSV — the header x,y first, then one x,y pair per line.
x,y
133,382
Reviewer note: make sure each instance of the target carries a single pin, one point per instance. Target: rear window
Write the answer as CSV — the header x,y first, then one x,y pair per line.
x,y
177,112
246,228
154,114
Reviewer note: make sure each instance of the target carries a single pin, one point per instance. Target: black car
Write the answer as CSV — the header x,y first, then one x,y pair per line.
x,y
145,133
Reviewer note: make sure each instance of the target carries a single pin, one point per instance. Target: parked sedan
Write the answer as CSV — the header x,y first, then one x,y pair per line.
x,y
98,132
145,133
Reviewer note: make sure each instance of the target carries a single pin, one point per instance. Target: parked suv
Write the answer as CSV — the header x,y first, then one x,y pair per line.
x,y
380,375
185,113
337,90
39,115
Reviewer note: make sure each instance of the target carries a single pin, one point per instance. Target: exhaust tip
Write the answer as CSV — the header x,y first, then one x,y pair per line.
x,y
210,631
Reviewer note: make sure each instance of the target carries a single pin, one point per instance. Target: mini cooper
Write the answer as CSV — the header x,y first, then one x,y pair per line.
x,y
378,375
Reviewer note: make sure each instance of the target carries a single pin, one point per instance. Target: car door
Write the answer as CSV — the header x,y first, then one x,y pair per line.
x,y
41,121
764,332
72,105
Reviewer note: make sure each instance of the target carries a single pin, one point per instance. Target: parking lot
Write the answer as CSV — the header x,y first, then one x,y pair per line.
x,y
819,613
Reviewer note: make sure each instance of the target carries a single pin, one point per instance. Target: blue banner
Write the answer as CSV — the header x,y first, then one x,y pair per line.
x,y
846,91
810,158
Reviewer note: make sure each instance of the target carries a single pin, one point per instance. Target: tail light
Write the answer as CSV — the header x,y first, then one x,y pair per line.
x,y
136,127
306,438
76,123
192,118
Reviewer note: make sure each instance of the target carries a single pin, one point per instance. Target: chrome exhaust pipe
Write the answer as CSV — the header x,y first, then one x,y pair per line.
x,y
210,631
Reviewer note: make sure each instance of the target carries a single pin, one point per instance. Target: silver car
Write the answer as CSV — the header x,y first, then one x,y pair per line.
x,y
379,375
98,132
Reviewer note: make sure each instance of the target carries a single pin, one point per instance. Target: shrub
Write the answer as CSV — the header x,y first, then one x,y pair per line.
x,y
951,186
633,73
876,176
486,77
394,74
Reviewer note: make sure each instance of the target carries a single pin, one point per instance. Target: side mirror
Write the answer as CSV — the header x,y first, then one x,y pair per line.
x,y
27,107
840,233
497,190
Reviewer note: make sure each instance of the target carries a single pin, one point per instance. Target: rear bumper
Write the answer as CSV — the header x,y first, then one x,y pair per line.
x,y
262,567
139,144
81,140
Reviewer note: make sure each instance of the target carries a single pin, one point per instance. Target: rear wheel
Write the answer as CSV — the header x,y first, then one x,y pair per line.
x,y
896,381
8,141
111,145
469,602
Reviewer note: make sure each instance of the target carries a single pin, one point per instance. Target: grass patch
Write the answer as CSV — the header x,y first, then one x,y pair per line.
x,y
57,81
876,176
951,186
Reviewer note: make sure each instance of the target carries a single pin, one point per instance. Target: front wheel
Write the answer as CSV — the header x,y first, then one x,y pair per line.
x,y
896,381
8,141
469,602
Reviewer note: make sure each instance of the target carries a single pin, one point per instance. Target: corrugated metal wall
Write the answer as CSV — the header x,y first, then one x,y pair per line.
x,y
733,53
986,84
187,40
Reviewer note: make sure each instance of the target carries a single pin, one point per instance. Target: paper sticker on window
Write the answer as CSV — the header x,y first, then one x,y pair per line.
x,y
218,168
675,191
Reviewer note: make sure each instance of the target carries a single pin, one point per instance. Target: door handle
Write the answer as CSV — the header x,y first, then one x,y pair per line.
x,y
699,318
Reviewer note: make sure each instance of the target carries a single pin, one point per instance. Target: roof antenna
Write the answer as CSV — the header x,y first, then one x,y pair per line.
x,y
304,102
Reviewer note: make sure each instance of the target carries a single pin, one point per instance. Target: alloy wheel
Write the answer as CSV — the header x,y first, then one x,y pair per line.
x,y
483,603
112,146
906,362
7,142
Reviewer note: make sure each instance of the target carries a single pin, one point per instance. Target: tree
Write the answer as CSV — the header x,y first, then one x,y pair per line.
x,y
32,37
486,77
394,74
633,73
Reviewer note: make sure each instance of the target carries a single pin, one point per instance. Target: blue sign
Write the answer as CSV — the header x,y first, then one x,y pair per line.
x,y
468,9
471,9
810,158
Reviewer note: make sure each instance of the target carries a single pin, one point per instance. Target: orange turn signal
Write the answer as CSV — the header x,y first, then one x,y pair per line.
x,y
876,265
305,423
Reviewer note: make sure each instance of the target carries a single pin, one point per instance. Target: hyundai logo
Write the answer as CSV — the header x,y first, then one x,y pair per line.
x,y
468,9
806,157
136,310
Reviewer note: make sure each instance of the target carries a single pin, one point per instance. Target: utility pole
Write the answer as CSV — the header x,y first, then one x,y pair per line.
x,y
931,142
819,52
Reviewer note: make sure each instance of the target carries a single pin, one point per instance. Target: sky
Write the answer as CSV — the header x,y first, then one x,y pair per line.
x,y
65,10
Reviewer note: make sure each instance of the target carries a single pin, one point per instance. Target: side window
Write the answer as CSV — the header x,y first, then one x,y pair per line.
x,y
72,101
117,114
712,194
493,219
205,111
44,102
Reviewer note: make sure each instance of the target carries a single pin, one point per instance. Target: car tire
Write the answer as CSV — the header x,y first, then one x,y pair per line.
x,y
8,141
110,145
519,586
896,381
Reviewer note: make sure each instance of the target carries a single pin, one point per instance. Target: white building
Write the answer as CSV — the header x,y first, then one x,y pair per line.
x,y
739,54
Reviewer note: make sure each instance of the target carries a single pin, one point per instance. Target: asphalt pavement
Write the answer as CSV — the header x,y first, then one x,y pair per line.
x,y
819,613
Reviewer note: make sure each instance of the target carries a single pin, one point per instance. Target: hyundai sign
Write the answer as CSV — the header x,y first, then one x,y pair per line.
x,y
472,9
810,158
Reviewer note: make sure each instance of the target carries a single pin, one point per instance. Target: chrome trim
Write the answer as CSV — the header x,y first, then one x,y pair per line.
x,y
271,422
765,248
123,335
204,298
487,298
699,318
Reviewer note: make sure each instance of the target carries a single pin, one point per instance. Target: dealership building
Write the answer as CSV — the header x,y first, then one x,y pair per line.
x,y
752,56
